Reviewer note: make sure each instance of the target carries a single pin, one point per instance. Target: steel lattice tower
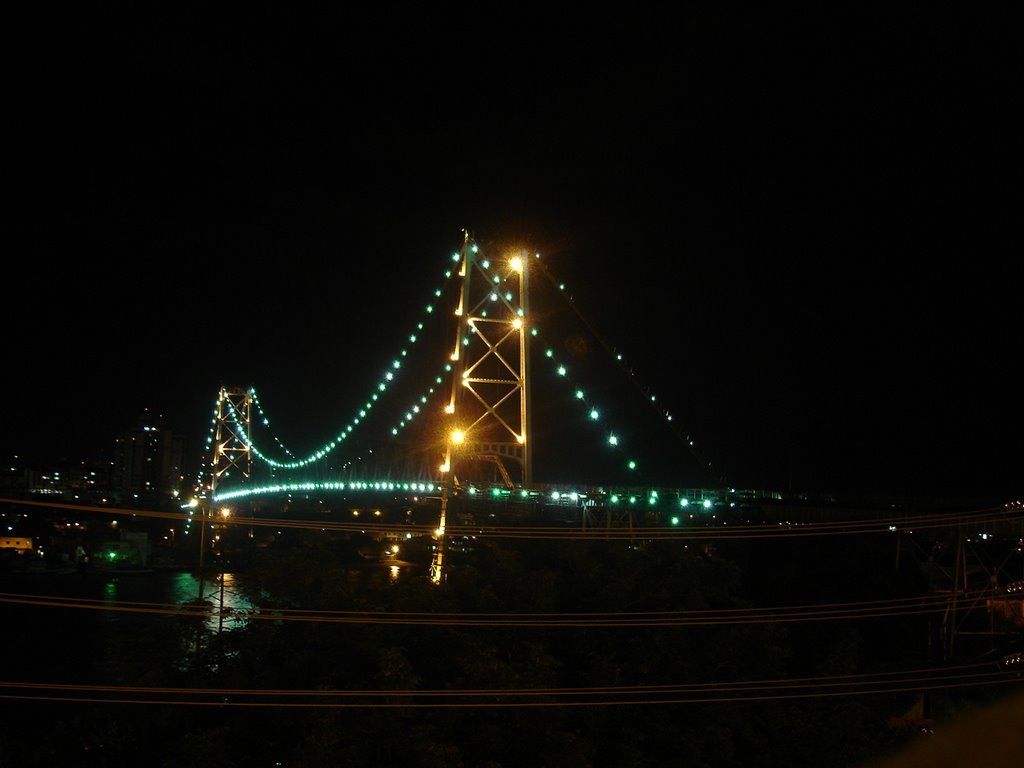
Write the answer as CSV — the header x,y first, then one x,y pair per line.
x,y
488,412
231,443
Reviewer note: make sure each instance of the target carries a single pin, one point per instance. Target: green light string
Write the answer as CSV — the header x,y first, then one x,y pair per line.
x,y
593,412
385,485
380,389
702,500
248,442
415,409
652,400
197,486
266,422
209,447
417,406
506,296
239,420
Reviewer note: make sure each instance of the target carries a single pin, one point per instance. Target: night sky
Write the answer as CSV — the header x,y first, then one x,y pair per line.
x,y
800,228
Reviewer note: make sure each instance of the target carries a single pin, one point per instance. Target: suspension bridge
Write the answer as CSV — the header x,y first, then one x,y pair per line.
x,y
473,401
461,416
452,442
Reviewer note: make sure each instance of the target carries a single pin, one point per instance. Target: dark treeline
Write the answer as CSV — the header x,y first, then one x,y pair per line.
x,y
524,577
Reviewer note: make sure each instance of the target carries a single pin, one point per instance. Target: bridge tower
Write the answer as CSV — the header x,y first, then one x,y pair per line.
x,y
231,448
230,443
488,411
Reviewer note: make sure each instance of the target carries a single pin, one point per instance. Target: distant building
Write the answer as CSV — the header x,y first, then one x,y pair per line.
x,y
85,480
17,543
15,477
147,462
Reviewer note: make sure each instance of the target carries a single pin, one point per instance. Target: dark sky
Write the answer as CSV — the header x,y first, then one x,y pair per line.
x,y
801,228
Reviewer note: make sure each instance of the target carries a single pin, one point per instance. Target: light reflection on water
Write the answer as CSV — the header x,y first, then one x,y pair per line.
x,y
229,607
228,604
232,606
222,592
36,635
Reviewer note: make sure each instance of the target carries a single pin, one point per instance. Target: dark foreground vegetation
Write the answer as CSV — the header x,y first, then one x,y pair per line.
x,y
723,724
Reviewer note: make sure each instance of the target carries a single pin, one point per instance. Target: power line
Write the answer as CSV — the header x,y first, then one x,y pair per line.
x,y
909,606
907,523
832,686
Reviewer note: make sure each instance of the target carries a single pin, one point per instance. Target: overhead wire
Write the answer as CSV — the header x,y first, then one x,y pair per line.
x,y
764,690
887,525
777,689
895,607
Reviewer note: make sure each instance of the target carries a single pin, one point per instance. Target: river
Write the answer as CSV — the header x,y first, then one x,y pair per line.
x,y
56,627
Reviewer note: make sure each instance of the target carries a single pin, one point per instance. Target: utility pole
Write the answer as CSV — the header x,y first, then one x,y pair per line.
x,y
203,522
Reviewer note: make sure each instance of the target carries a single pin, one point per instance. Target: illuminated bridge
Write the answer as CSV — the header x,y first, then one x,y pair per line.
x,y
500,376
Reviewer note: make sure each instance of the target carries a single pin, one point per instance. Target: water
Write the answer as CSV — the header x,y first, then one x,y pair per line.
x,y
54,626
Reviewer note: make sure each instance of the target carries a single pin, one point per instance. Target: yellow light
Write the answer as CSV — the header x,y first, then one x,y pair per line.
x,y
521,439
225,512
445,467
194,503
394,549
517,323
449,409
516,264
376,513
458,436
